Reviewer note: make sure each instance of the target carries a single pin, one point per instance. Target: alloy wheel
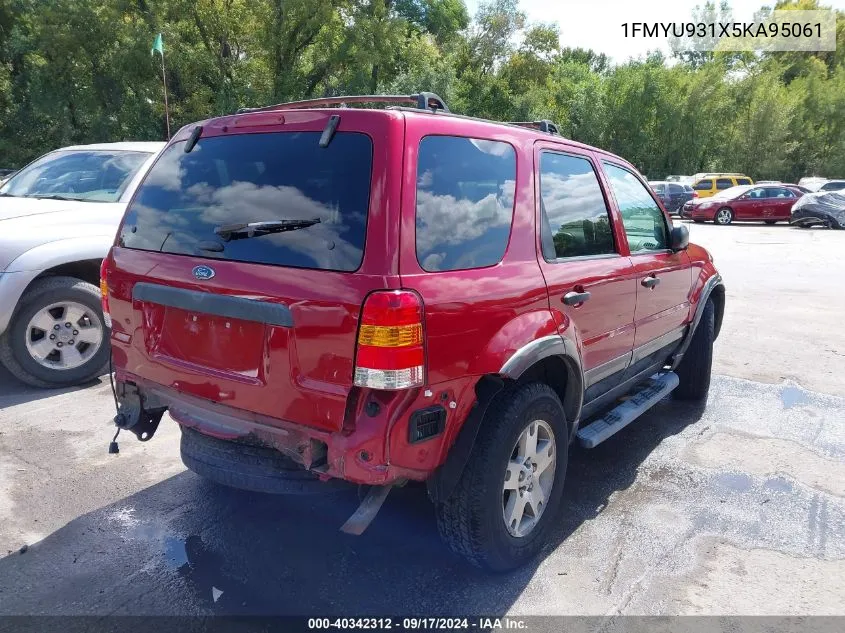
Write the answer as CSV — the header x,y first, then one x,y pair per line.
x,y
64,335
529,478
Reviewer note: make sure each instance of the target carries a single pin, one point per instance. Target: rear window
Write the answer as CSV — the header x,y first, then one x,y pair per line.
x,y
250,178
743,181
465,196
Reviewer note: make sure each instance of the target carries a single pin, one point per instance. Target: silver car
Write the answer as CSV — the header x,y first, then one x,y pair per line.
x,y
58,218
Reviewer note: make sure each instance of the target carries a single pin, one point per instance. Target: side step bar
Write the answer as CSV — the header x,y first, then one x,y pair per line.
x,y
657,388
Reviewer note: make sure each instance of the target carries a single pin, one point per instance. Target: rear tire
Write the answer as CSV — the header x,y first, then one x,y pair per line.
x,y
771,221
696,365
247,467
699,221
472,520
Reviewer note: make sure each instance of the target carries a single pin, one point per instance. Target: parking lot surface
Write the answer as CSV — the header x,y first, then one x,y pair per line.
x,y
736,507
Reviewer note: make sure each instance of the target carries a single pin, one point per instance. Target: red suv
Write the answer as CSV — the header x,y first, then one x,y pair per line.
x,y
383,295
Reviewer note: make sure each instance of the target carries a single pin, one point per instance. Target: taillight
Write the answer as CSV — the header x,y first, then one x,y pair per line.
x,y
104,291
391,349
694,194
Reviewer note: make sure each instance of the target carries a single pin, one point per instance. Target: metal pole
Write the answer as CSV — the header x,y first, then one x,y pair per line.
x,y
166,109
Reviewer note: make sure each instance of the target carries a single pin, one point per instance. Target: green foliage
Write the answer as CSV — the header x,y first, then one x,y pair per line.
x,y
77,71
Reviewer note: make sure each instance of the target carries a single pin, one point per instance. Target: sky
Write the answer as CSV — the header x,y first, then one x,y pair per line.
x,y
597,24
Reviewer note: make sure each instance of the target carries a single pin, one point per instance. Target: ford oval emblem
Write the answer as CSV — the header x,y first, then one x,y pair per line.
x,y
203,272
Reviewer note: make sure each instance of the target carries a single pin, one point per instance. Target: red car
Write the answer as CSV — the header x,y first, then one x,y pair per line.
x,y
319,294
769,203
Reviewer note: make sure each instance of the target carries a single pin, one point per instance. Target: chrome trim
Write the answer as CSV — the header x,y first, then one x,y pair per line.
x,y
657,344
613,366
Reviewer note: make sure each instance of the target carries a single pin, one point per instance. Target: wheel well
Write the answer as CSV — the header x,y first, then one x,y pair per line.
x,y
718,296
556,372
86,270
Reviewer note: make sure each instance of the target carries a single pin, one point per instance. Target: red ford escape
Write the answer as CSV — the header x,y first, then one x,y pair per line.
x,y
382,295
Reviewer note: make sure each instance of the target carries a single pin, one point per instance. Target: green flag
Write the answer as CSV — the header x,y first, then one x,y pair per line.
x,y
158,45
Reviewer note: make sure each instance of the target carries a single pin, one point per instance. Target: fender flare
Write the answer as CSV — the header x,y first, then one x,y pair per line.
x,y
442,483
709,286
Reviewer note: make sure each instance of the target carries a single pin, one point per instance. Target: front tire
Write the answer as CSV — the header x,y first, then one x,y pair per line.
x,y
507,499
724,216
57,336
696,366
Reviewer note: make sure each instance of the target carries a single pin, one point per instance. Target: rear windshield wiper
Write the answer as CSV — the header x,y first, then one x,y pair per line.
x,y
254,229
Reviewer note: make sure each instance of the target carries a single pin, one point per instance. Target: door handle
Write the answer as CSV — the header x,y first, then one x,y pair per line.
x,y
650,282
575,298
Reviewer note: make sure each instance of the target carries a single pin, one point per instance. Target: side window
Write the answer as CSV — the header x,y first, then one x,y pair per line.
x,y
724,183
644,222
574,217
703,185
465,197
743,181
778,192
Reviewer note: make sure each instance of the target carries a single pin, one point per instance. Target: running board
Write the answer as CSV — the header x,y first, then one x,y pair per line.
x,y
657,388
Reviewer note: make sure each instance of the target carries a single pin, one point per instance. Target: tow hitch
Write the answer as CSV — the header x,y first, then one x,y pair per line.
x,y
136,413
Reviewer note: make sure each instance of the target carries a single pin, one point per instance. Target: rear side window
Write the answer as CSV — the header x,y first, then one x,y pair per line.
x,y
249,178
574,217
703,185
675,189
724,183
743,181
465,197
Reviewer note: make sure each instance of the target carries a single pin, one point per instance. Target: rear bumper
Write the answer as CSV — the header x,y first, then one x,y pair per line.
x,y
360,455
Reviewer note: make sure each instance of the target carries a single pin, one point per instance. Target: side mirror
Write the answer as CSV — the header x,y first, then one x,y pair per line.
x,y
679,238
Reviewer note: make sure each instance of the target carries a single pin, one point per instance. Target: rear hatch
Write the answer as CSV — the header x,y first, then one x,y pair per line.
x,y
206,300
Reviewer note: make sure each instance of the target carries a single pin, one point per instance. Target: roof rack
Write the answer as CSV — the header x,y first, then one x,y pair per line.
x,y
422,100
543,125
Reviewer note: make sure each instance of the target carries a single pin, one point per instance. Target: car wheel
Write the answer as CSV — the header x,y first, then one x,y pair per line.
x,y
699,221
696,365
501,511
771,221
57,336
246,467
724,216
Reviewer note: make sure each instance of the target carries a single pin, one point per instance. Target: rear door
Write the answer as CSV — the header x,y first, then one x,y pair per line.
x,y
779,203
583,255
259,320
663,278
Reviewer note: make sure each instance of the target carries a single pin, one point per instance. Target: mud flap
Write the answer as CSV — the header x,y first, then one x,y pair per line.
x,y
367,511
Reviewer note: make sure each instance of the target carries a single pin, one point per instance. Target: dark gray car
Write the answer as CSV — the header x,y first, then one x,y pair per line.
x,y
672,194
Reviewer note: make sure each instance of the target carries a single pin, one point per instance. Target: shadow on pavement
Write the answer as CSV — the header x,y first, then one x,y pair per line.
x,y
14,392
185,546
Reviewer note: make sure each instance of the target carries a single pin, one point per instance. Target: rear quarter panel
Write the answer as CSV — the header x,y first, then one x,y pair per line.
x,y
475,320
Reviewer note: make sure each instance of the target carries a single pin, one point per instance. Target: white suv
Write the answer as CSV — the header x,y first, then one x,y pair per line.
x,y
58,218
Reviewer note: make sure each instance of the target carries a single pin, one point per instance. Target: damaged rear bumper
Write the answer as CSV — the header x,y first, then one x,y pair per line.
x,y
341,455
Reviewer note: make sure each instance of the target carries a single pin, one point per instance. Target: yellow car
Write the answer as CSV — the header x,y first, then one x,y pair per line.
x,y
706,185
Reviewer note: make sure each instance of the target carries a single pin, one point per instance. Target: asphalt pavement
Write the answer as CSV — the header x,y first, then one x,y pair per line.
x,y
736,507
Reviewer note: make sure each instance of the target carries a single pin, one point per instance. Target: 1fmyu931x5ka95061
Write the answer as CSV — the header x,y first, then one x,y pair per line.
x,y
458,325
